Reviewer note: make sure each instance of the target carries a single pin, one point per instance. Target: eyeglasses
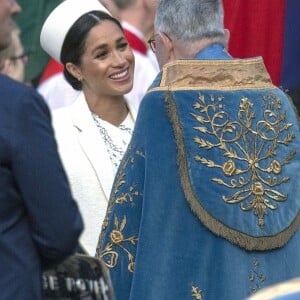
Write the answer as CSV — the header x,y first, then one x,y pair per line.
x,y
152,41
23,56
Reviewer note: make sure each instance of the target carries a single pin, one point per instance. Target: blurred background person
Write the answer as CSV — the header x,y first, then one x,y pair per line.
x,y
13,59
137,18
30,21
94,131
112,7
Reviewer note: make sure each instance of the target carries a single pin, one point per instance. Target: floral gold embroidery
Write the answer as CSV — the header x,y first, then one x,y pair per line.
x,y
117,239
275,167
120,180
229,168
256,277
196,293
251,163
118,242
127,196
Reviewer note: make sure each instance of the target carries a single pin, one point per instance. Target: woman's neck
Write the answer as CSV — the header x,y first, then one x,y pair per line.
x,y
111,109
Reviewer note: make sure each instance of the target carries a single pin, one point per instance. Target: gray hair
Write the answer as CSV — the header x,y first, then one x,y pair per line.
x,y
190,20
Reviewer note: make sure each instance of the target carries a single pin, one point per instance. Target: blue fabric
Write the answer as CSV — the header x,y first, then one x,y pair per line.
x,y
215,51
39,220
154,242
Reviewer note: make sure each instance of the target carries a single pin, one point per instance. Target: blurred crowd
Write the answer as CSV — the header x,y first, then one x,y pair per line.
x,y
264,33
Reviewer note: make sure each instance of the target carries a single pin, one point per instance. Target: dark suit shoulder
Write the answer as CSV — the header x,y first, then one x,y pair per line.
x,y
14,93
10,85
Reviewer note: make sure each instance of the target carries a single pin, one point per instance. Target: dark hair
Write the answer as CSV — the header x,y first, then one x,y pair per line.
x,y
74,43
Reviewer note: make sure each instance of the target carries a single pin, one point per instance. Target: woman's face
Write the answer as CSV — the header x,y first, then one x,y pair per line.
x,y
107,64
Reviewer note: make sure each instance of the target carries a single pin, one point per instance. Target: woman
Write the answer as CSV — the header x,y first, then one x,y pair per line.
x,y
93,132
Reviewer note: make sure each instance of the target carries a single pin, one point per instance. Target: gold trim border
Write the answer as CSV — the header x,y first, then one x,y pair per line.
x,y
215,75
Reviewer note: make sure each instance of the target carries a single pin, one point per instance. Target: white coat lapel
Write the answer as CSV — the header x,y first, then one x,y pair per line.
x,y
132,108
92,144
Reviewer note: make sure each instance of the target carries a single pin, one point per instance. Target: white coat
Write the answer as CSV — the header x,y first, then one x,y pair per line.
x,y
87,164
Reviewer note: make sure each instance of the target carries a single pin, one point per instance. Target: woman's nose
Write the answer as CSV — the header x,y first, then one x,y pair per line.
x,y
118,58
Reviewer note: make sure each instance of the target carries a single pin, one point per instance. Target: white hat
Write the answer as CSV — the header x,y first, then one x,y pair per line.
x,y
61,20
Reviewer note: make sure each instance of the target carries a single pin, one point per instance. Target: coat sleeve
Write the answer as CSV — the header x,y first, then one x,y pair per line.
x,y
54,218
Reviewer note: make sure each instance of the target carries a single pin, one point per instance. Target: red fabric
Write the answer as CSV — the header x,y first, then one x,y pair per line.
x,y
135,42
257,29
53,67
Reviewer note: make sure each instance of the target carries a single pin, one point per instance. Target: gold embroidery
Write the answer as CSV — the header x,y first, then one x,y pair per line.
x,y
252,144
122,198
196,293
256,277
117,239
127,196
246,241
116,236
119,181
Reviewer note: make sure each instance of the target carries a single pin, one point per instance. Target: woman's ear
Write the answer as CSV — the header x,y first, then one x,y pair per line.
x,y
74,71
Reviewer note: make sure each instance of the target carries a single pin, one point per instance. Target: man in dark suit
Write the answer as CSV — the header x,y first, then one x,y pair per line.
x,y
39,220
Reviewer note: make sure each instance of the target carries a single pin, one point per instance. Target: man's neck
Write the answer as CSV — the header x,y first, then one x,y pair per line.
x,y
187,52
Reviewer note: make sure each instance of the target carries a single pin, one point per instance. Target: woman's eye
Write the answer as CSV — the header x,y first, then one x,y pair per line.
x,y
101,55
123,45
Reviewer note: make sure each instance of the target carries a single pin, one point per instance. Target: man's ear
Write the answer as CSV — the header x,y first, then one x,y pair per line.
x,y
226,37
5,66
74,71
168,45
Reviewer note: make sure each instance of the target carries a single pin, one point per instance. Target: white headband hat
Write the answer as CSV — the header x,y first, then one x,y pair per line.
x,y
61,20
